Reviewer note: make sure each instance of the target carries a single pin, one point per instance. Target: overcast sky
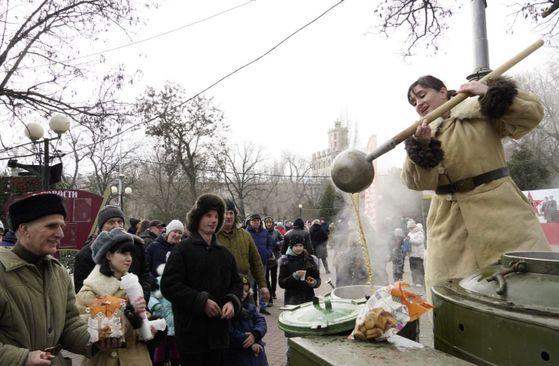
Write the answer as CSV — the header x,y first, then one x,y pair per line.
x,y
336,68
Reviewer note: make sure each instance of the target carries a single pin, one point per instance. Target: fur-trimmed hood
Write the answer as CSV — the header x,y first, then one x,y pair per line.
x,y
101,284
203,205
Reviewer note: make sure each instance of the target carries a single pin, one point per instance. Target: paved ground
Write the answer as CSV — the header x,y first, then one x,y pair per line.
x,y
276,343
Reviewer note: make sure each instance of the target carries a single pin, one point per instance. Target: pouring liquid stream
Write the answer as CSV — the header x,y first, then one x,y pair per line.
x,y
362,239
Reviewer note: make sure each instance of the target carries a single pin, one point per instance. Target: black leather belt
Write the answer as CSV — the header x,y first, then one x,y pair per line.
x,y
465,185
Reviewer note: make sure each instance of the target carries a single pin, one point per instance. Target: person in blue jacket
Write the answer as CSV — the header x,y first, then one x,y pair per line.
x,y
246,347
265,244
9,239
158,250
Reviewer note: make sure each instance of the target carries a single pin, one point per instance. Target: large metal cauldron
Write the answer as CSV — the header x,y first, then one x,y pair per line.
x,y
354,292
505,314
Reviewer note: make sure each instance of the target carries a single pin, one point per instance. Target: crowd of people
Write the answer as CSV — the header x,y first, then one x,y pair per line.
x,y
411,246
548,209
211,279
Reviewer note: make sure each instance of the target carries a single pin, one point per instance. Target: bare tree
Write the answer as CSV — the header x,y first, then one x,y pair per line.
x,y
420,19
424,21
161,186
74,141
38,55
190,130
542,12
267,199
294,187
238,166
104,153
296,170
544,140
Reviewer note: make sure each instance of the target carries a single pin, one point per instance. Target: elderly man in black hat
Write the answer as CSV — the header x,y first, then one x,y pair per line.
x,y
38,315
111,217
202,283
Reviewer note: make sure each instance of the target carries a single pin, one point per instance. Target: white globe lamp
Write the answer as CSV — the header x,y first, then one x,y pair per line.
x,y
59,123
34,131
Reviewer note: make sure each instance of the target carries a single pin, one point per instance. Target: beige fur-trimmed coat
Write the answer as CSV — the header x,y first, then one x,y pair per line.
x,y
468,231
135,353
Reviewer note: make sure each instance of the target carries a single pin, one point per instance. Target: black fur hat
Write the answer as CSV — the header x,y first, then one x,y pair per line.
x,y
204,204
34,207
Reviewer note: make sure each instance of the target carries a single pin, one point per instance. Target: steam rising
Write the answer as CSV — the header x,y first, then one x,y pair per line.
x,y
384,208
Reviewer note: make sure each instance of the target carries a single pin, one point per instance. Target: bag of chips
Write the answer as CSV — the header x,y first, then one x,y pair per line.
x,y
386,312
106,318
380,317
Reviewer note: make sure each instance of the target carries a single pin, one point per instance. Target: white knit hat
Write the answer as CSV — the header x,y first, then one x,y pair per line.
x,y
174,225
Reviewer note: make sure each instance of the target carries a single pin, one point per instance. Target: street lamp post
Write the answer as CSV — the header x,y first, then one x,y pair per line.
x,y
59,124
300,210
120,193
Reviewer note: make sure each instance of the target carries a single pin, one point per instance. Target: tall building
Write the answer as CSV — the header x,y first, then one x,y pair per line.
x,y
337,142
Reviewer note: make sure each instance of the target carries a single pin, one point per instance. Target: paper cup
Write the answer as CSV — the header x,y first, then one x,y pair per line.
x,y
159,324
304,276
145,331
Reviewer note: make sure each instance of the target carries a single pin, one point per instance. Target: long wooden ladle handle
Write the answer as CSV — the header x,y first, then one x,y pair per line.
x,y
451,103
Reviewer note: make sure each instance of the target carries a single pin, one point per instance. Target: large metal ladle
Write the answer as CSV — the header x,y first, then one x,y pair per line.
x,y
352,170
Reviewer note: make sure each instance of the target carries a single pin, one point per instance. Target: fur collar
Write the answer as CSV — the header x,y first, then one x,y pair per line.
x,y
468,109
101,284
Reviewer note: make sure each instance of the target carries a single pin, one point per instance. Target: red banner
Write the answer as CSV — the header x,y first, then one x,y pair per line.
x,y
82,208
552,233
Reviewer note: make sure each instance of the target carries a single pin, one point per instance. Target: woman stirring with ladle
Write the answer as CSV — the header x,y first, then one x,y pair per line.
x,y
478,213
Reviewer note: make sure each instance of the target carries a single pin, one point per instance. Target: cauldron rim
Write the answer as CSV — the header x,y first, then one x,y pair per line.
x,y
535,261
533,255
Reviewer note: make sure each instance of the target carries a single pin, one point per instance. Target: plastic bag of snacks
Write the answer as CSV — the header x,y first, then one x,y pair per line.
x,y
415,304
386,313
106,318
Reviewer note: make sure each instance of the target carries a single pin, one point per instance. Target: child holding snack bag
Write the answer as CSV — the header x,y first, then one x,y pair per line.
x,y
298,274
247,330
104,303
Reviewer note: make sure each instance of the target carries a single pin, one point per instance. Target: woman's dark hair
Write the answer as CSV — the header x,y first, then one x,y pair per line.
x,y
143,225
123,247
430,82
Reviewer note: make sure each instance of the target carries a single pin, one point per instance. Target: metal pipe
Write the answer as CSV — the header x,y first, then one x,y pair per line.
x,y
46,167
481,48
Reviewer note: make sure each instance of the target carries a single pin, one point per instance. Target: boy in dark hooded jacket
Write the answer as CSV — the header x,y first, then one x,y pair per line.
x,y
298,274
246,333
